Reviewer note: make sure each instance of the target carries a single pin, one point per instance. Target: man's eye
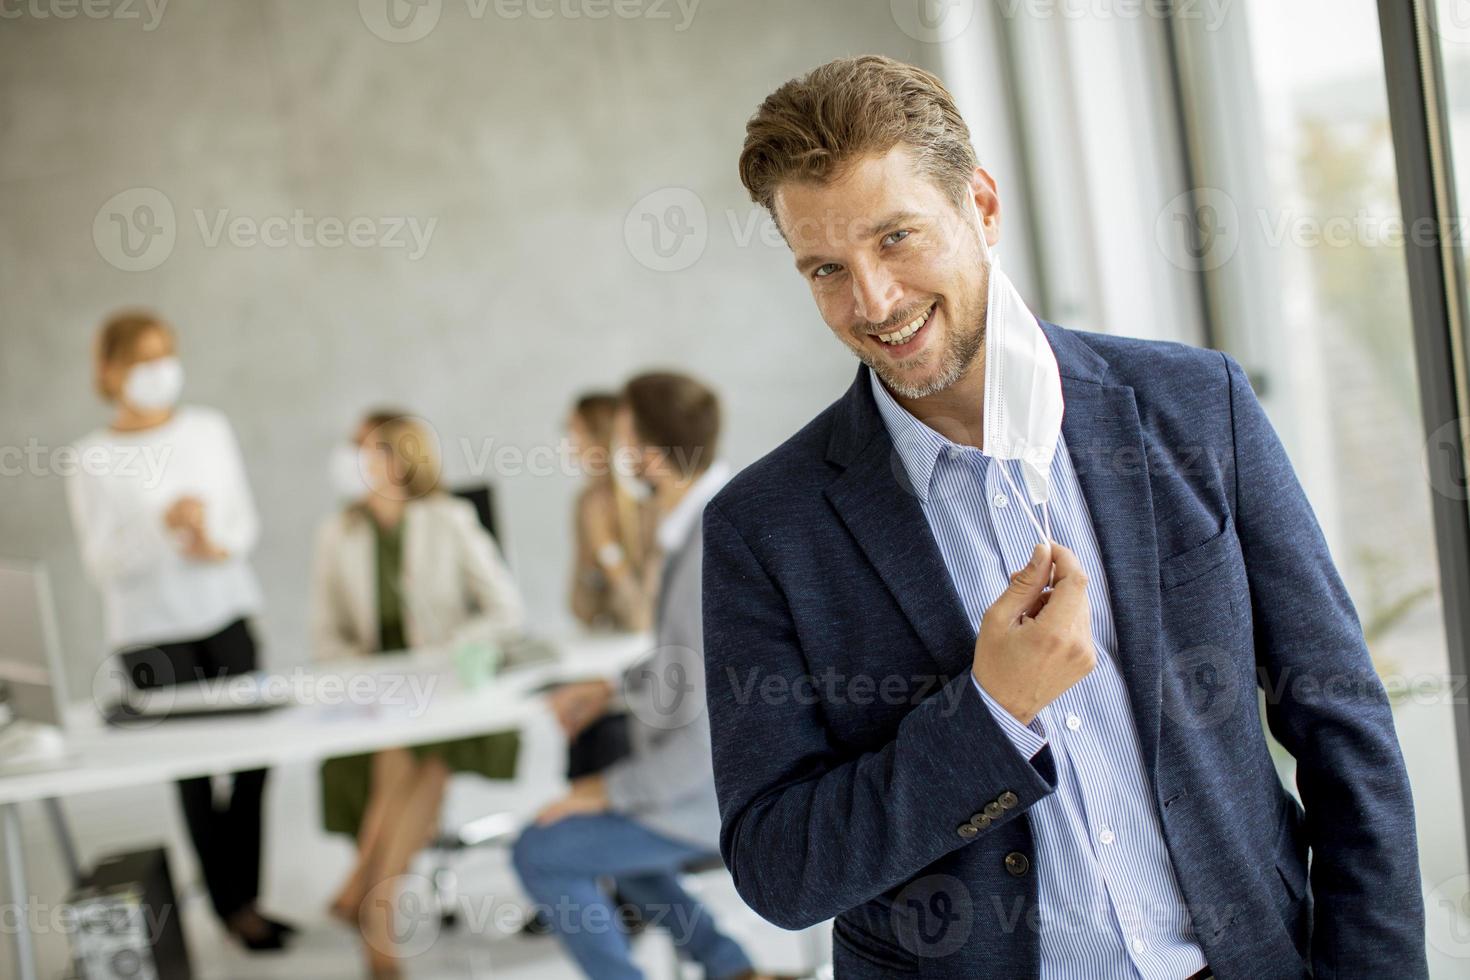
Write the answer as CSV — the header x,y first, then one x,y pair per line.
x,y
823,271
894,237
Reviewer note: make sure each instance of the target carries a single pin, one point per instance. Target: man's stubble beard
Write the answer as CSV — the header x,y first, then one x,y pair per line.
x,y
959,354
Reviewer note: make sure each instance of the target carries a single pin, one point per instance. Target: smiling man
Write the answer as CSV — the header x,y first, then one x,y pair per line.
x,y
983,639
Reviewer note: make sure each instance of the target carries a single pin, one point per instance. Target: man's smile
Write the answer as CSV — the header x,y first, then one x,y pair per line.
x,y
907,339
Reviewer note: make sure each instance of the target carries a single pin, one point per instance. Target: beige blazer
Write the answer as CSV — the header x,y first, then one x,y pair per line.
x,y
455,586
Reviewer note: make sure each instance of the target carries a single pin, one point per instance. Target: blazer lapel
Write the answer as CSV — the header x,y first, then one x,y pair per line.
x,y
1105,441
874,501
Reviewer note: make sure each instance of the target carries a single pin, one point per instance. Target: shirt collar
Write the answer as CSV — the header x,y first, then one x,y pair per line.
x,y
917,445
676,525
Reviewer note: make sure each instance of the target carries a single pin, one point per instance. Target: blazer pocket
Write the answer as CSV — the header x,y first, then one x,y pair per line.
x,y
1291,856
1195,562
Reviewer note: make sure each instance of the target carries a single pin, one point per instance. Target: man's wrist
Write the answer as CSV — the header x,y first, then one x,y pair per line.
x,y
1024,717
1028,738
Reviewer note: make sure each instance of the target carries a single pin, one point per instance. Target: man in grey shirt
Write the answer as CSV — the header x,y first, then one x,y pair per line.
x,y
650,814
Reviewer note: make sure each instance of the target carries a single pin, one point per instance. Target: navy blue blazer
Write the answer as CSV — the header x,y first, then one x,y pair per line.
x,y
851,751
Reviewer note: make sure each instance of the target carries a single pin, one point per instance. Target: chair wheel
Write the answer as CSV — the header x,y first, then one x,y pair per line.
x,y
449,920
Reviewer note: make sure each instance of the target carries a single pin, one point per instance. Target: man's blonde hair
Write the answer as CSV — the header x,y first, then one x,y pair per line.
x,y
813,127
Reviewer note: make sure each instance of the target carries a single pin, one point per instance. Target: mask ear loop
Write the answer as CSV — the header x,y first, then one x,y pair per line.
x,y
1042,529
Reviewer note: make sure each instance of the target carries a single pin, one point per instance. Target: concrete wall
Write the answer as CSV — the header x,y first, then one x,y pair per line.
x,y
539,148
530,143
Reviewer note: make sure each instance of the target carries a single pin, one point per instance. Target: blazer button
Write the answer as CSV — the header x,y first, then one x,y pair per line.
x,y
967,830
992,809
1008,800
980,820
1016,863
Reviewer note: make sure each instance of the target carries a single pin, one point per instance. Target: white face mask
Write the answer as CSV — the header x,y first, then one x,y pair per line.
x,y
1023,388
153,385
344,467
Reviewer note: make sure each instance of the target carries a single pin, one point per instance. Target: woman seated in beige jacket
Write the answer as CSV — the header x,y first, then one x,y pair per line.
x,y
403,566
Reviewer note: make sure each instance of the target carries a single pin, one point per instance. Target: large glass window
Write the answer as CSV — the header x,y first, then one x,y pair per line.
x,y
1300,242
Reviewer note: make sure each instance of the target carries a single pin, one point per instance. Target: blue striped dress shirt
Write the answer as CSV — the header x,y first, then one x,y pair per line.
x,y
1110,903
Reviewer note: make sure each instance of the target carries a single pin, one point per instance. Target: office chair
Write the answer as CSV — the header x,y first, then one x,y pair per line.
x,y
492,828
482,497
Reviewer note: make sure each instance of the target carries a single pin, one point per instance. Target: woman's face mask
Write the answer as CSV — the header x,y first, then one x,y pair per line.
x,y
629,472
154,385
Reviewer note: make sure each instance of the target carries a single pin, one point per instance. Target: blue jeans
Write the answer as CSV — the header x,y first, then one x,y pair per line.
x,y
559,866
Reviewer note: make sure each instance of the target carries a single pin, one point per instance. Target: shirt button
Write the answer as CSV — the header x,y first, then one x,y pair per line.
x,y
1106,837
1139,945
1073,722
999,500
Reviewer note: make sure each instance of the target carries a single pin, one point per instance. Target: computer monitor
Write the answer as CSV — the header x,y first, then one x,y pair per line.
x,y
31,677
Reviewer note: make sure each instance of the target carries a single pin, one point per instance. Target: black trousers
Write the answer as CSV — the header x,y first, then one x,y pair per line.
x,y
226,834
599,745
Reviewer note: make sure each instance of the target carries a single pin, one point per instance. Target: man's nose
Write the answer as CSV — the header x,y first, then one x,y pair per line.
x,y
875,294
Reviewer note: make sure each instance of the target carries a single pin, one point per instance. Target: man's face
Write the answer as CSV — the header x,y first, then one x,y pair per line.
x,y
645,462
896,269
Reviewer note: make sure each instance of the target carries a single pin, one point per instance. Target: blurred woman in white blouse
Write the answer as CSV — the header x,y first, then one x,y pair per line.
x,y
403,566
165,521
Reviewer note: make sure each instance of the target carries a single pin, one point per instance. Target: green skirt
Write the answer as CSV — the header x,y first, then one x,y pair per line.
x,y
347,782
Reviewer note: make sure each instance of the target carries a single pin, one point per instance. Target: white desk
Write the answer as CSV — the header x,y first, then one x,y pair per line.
x,y
106,758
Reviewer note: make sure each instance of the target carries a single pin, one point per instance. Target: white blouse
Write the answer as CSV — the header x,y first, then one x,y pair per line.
x,y
124,483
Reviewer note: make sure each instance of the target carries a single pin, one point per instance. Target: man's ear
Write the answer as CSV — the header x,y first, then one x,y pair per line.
x,y
986,194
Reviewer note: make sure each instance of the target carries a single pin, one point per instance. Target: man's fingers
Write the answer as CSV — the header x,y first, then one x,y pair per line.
x,y
1067,565
1068,596
1025,585
1040,604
